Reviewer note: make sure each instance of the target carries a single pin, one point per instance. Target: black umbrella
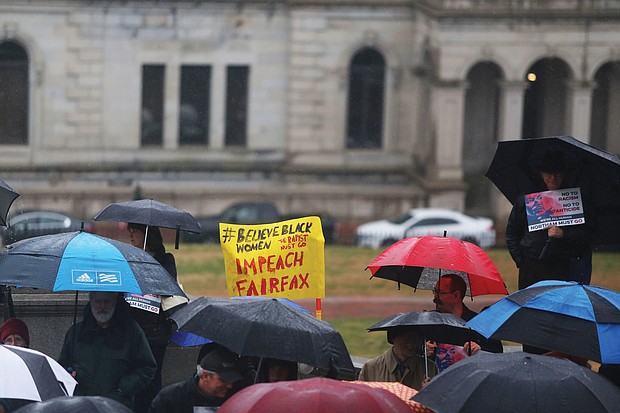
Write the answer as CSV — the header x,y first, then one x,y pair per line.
x,y
7,196
518,382
79,261
513,171
76,404
267,328
151,213
433,325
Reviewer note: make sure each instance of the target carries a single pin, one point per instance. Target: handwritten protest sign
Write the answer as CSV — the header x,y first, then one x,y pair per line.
x,y
284,259
560,208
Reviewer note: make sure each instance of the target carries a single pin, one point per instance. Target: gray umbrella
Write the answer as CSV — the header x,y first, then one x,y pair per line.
x,y
432,325
267,328
518,382
151,213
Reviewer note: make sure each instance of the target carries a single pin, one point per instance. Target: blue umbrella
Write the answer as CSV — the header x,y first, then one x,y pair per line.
x,y
572,318
79,261
187,339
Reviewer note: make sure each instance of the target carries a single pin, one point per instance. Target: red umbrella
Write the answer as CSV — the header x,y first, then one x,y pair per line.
x,y
313,396
418,262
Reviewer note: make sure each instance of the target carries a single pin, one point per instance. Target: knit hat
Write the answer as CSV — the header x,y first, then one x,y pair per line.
x,y
14,326
552,162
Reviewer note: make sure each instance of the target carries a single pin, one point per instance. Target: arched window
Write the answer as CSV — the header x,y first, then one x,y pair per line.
x,y
13,94
545,111
365,101
605,110
480,130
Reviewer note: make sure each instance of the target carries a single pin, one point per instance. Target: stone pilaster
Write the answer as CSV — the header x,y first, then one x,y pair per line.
x,y
511,109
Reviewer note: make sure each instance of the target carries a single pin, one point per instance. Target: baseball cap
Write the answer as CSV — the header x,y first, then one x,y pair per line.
x,y
223,362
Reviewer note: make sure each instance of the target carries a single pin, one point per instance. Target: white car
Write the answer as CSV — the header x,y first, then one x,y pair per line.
x,y
427,221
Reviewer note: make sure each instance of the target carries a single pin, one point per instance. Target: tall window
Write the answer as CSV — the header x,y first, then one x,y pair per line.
x,y
604,126
13,94
236,105
194,110
365,102
152,123
545,110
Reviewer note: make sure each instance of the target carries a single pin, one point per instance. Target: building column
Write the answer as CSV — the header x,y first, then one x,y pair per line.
x,y
511,109
580,109
448,111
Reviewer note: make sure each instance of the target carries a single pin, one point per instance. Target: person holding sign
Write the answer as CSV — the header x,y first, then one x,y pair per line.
x,y
403,362
546,230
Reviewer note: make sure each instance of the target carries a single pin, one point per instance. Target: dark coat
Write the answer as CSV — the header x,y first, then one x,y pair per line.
x,y
523,244
114,362
182,397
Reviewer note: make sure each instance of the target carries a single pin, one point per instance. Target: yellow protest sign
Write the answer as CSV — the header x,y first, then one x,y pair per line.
x,y
284,259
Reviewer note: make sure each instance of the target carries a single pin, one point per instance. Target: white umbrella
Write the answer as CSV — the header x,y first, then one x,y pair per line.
x,y
31,375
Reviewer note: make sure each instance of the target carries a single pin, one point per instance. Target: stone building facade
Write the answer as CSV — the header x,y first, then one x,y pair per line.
x,y
357,108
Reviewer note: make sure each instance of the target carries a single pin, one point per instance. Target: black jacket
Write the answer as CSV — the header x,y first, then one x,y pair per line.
x,y
182,397
529,245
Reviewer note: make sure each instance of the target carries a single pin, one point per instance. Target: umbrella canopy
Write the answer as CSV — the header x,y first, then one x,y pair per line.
x,y
267,328
572,318
513,171
7,196
518,382
186,339
30,375
418,262
403,392
149,212
432,325
77,404
79,261
313,395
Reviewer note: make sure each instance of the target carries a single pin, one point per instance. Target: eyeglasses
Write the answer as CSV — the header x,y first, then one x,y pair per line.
x,y
14,341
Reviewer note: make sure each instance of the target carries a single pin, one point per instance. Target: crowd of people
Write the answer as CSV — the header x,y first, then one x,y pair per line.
x,y
117,351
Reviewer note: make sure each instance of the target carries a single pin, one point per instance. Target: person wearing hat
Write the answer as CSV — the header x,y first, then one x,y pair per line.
x,y
214,376
544,254
14,332
403,362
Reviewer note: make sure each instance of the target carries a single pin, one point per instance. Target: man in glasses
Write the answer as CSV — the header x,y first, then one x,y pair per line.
x,y
448,297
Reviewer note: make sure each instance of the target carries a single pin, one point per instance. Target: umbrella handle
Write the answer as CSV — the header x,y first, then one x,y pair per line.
x,y
425,359
74,328
177,237
544,250
260,362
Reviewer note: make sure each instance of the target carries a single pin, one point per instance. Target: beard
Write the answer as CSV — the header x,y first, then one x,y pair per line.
x,y
103,316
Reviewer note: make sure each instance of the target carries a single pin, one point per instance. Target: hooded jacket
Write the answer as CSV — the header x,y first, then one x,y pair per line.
x,y
114,362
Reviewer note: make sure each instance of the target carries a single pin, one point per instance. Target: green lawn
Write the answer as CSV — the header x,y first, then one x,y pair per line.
x,y
201,271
